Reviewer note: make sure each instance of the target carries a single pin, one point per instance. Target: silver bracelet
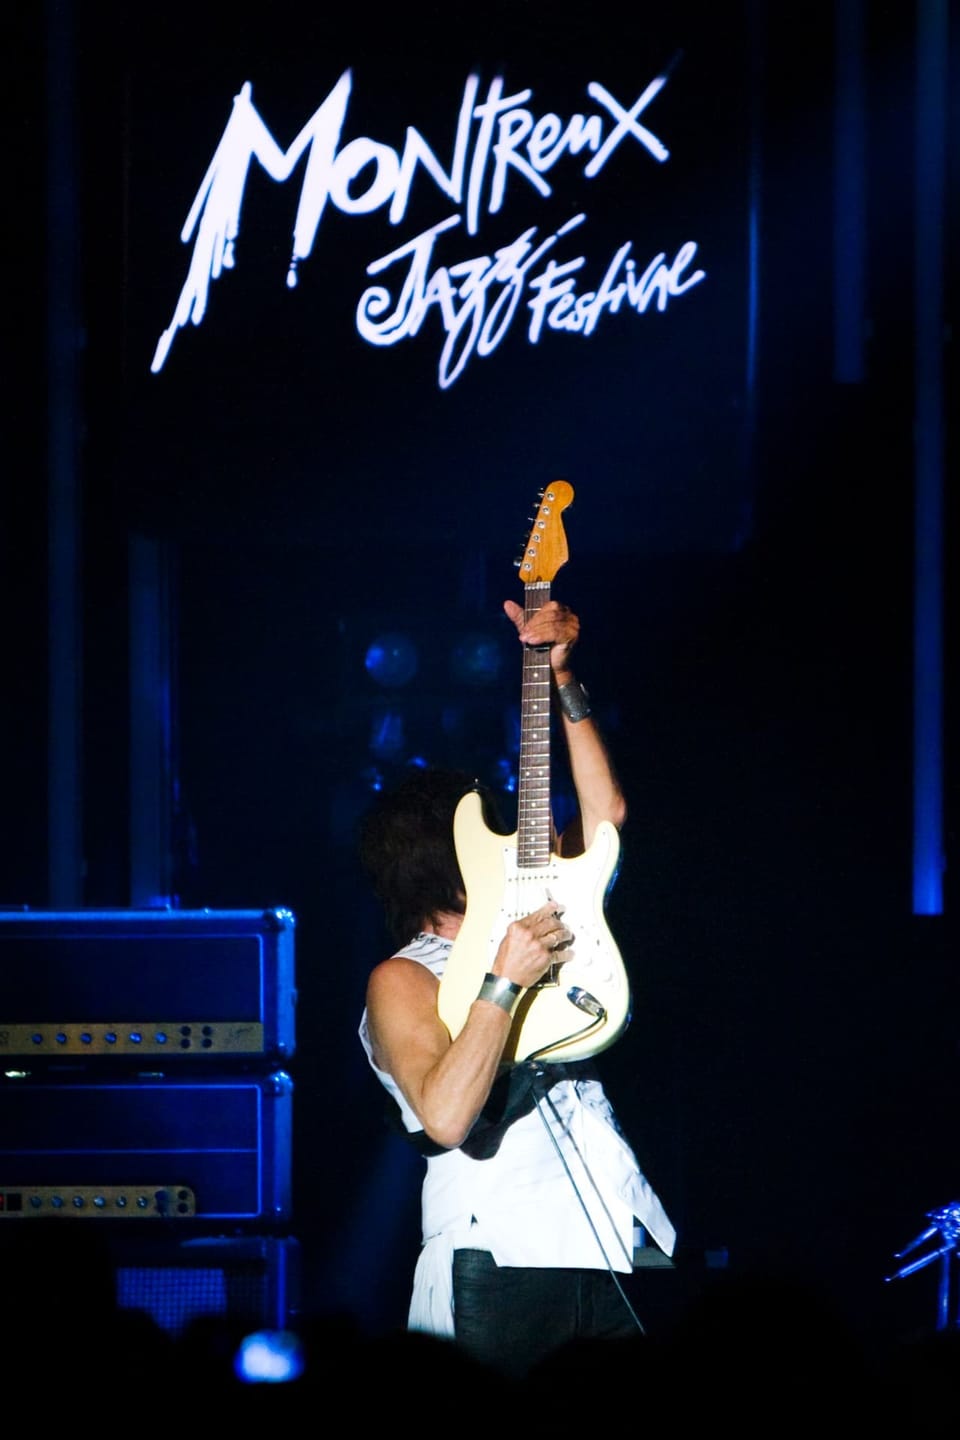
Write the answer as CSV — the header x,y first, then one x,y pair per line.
x,y
501,991
574,700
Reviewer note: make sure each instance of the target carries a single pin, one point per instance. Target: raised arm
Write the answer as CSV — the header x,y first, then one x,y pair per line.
x,y
599,796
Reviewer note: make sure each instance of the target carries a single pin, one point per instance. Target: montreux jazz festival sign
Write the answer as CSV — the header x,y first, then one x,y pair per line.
x,y
477,296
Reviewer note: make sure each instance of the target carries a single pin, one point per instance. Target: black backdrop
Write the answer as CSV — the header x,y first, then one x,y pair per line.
x,y
741,556
275,419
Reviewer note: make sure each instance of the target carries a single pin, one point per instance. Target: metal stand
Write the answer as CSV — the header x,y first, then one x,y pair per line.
x,y
944,1225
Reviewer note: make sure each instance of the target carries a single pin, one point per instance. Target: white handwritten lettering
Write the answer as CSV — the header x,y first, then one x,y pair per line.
x,y
626,122
477,312
496,137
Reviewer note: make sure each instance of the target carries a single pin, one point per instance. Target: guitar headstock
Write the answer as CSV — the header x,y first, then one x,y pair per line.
x,y
546,548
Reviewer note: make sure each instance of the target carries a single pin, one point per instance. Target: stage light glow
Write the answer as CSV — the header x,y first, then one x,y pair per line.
x,y
269,1357
392,659
505,775
388,735
372,779
476,660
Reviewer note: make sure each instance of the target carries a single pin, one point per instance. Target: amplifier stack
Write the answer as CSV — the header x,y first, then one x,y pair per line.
x,y
146,1091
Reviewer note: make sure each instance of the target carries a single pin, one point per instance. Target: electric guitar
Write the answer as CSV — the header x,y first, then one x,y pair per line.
x,y
582,1003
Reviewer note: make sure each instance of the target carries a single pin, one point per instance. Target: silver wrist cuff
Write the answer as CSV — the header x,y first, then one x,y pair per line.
x,y
574,700
501,991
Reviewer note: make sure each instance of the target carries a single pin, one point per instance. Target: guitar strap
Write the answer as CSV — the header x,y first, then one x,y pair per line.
x,y
514,1094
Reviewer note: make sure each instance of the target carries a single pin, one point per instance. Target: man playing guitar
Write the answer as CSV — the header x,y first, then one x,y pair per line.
x,y
531,1193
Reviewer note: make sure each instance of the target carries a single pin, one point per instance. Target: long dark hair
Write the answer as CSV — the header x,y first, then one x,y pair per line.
x,y
407,848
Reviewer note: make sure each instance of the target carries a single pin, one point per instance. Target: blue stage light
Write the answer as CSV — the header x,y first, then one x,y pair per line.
x,y
269,1357
476,660
392,659
388,735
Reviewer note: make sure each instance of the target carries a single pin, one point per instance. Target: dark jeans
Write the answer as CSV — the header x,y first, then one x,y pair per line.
x,y
511,1317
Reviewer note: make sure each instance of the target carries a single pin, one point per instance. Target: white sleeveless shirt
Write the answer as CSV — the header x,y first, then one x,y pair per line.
x,y
562,1190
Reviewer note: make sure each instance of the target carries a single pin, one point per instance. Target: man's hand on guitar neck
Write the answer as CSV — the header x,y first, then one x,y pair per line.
x,y
599,796
553,624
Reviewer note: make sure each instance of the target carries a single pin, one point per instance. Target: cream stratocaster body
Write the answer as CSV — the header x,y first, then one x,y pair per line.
x,y
548,1023
582,1004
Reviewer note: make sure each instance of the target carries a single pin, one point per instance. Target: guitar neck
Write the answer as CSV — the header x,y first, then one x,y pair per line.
x,y
582,1001
534,823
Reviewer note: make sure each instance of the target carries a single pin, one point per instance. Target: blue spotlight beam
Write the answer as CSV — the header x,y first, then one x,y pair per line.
x,y
931,111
